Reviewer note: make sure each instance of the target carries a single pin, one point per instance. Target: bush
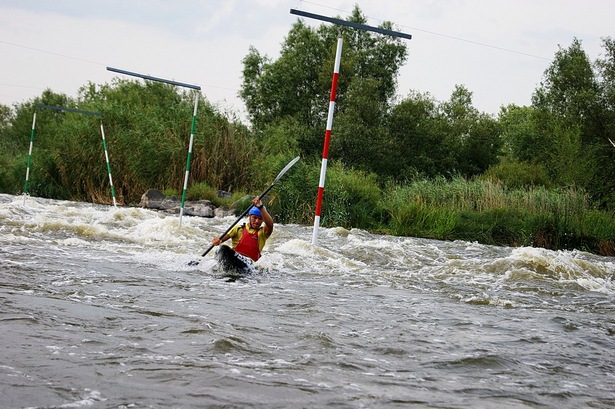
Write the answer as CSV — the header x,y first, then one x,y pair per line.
x,y
351,198
294,197
411,219
12,174
503,227
516,175
487,212
202,191
170,192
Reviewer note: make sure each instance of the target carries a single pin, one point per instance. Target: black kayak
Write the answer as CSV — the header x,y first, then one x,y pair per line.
x,y
232,264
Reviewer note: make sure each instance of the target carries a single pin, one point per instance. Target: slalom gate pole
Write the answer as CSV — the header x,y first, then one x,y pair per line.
x,y
64,109
196,101
325,152
102,132
351,24
357,26
196,104
25,186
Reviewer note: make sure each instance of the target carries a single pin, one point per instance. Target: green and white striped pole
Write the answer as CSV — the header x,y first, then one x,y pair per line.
x,y
25,186
193,126
196,101
76,111
104,141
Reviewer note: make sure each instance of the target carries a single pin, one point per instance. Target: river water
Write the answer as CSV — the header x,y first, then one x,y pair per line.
x,y
99,308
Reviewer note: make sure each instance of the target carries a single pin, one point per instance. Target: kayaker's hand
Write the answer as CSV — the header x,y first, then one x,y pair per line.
x,y
257,202
216,241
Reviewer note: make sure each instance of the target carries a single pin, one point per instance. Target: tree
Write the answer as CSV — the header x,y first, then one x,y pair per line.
x,y
604,185
44,178
444,138
520,138
569,88
298,85
6,116
474,135
362,140
569,93
149,126
414,126
519,132
8,150
569,119
288,87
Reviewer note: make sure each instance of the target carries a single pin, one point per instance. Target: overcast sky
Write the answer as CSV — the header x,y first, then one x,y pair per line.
x,y
498,49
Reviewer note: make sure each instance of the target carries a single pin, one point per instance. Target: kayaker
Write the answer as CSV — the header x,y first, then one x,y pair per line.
x,y
249,238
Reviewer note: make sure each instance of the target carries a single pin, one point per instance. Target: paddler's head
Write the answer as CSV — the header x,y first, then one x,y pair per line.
x,y
255,217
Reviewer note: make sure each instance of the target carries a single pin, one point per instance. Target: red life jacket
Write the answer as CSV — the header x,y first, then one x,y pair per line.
x,y
248,244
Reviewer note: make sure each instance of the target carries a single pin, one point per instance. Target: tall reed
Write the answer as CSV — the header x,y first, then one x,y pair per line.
x,y
488,212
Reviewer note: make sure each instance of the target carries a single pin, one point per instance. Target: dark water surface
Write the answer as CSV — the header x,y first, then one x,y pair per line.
x,y
100,309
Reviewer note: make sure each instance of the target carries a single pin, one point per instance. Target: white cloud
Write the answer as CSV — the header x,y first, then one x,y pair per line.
x,y
497,49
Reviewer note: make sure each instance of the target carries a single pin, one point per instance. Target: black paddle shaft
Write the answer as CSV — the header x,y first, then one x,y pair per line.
x,y
283,171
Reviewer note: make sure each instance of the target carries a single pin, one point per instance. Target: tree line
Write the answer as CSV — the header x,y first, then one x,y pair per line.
x,y
561,140
381,142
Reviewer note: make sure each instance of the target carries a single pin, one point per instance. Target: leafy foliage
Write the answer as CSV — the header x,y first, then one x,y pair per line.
x,y
297,86
490,213
147,128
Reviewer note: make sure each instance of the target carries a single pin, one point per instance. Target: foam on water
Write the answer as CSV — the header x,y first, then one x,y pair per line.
x,y
158,238
591,272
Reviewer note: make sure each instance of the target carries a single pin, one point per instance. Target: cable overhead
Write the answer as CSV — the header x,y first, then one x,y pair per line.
x,y
450,37
51,53
79,59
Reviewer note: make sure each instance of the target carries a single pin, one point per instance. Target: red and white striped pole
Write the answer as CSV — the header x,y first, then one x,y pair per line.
x,y
325,151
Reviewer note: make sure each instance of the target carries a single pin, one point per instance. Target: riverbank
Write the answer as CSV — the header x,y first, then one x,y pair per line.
x,y
453,210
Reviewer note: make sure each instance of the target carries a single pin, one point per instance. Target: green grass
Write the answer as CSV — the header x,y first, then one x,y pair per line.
x,y
488,212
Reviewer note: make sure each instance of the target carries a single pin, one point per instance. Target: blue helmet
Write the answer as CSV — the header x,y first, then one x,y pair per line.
x,y
255,211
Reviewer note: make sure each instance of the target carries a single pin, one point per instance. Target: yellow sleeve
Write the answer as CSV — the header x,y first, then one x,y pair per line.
x,y
235,234
262,239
